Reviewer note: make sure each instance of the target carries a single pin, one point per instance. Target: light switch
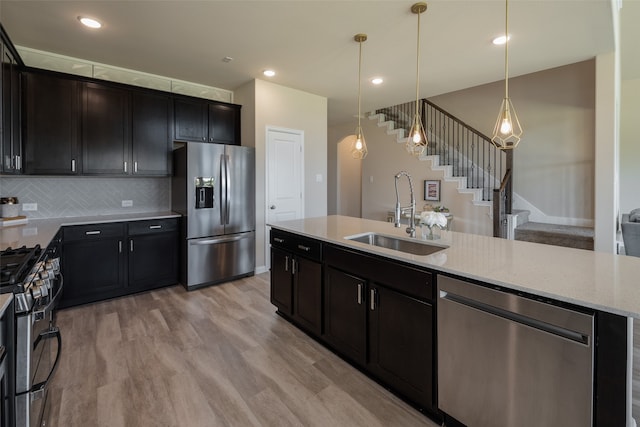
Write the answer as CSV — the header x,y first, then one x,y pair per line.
x,y
371,179
318,177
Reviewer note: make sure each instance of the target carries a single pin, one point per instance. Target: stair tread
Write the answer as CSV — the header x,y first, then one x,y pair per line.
x,y
569,230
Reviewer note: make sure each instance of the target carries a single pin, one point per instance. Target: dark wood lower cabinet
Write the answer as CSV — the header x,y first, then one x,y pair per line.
x,y
307,294
345,321
102,261
401,343
281,281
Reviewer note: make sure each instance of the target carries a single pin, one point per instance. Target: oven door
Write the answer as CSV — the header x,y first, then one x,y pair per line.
x,y
38,345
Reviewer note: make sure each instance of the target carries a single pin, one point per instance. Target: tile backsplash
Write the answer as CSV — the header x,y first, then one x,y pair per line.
x,y
59,197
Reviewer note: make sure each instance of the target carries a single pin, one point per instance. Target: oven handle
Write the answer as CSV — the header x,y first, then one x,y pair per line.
x,y
41,314
38,389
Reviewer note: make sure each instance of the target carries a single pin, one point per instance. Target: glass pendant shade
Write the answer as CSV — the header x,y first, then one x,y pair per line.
x,y
507,131
359,146
417,139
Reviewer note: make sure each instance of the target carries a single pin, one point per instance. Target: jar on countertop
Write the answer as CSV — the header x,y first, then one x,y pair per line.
x,y
9,207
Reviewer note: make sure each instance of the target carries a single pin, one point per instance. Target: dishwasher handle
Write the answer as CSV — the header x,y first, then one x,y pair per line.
x,y
574,336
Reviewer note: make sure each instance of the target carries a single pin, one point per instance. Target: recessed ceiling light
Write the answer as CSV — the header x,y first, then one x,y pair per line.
x,y
500,40
269,73
377,80
89,22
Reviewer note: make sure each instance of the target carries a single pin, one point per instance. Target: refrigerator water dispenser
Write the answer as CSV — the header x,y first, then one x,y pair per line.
x,y
205,195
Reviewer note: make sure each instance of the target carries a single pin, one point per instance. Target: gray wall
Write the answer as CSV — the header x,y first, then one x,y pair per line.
x,y
554,163
59,197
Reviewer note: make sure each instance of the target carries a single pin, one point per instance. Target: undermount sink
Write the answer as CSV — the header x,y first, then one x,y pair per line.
x,y
414,247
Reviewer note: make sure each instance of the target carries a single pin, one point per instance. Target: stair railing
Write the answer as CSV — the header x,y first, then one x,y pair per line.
x,y
502,206
468,151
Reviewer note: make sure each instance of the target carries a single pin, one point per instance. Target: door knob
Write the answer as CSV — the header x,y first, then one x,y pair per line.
x,y
272,207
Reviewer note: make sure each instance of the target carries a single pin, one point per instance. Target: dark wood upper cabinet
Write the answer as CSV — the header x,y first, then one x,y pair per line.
x,y
106,136
151,133
191,120
224,124
10,119
203,121
52,125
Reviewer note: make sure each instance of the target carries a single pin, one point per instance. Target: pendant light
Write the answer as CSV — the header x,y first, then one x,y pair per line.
x,y
359,147
417,140
507,131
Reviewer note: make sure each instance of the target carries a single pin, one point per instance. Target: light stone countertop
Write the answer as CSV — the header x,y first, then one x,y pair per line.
x,y
41,231
595,280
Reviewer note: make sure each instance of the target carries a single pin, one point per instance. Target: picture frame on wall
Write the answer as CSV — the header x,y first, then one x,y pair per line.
x,y
432,190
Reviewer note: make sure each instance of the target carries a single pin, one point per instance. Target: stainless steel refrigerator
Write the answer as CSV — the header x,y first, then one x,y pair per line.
x,y
213,187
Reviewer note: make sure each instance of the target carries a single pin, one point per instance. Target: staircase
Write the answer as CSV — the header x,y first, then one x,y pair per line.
x,y
463,154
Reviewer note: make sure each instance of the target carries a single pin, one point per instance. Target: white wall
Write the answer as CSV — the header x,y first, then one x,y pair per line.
x,y
268,104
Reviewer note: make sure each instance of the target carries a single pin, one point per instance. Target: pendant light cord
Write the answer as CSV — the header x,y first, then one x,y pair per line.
x,y
359,86
418,66
506,49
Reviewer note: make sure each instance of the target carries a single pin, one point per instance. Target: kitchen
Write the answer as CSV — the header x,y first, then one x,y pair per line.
x,y
312,186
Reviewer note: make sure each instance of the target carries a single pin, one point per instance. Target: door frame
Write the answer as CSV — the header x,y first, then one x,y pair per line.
x,y
268,130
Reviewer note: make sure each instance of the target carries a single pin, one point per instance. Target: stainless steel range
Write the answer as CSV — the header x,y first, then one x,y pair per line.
x,y
33,275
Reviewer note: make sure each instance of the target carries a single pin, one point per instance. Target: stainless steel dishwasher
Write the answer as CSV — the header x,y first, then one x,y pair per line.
x,y
507,361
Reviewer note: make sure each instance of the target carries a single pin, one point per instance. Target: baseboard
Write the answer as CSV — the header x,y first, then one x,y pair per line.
x,y
536,215
261,269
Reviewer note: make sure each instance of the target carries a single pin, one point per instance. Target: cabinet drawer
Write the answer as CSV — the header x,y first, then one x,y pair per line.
x,y
93,231
411,281
151,226
296,244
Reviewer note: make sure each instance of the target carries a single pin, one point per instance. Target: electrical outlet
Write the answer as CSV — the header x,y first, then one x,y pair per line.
x,y
29,207
127,203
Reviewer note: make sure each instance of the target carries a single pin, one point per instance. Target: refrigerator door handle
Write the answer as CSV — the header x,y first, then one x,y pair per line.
x,y
223,190
218,240
228,189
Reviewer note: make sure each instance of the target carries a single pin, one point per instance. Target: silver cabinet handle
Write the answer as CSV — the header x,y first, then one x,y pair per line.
x,y
73,165
89,233
304,248
119,246
372,296
125,167
131,245
279,240
155,227
286,263
359,293
135,167
19,162
293,266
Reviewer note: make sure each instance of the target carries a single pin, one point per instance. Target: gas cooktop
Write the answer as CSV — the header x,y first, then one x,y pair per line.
x,y
15,264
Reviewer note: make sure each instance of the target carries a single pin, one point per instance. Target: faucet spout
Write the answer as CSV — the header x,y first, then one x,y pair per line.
x,y
411,229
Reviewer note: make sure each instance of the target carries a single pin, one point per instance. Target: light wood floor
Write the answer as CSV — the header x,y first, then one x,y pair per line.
x,y
219,356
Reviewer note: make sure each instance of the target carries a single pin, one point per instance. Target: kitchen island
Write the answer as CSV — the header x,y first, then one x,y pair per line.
x,y
603,286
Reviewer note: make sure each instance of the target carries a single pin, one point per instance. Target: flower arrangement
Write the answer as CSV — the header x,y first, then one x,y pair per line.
x,y
432,219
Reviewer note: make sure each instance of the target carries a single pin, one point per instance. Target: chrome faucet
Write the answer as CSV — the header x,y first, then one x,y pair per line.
x,y
411,229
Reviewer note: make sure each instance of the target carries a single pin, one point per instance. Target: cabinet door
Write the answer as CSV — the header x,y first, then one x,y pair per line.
x,y
345,315
11,134
105,130
224,124
52,125
307,294
281,281
153,260
191,121
150,134
93,269
401,343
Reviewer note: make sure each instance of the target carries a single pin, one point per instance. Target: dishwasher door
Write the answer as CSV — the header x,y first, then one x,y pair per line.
x,y
506,361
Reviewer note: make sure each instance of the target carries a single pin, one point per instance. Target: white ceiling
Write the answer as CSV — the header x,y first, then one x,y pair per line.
x,y
310,43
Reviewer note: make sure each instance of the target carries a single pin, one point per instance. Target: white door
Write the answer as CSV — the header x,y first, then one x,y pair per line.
x,y
285,174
